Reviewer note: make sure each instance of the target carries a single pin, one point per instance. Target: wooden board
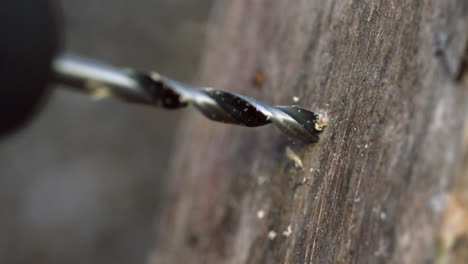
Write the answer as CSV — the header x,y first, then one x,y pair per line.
x,y
388,73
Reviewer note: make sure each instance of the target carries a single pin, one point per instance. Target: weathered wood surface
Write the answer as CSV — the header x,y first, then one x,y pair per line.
x,y
389,74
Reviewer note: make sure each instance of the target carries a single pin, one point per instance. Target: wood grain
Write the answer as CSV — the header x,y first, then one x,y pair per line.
x,y
375,187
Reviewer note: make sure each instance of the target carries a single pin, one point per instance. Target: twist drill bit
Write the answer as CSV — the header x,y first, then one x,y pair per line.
x,y
154,89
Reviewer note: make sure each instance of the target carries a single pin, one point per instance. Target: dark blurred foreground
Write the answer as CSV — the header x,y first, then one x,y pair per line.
x,y
81,183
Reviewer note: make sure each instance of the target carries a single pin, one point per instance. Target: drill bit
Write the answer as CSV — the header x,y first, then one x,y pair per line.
x,y
155,89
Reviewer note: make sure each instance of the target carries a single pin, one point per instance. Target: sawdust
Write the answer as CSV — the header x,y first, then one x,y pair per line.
x,y
294,158
272,235
98,91
260,214
322,121
155,76
288,231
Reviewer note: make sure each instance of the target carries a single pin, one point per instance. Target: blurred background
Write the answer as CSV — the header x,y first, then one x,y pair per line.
x,y
82,182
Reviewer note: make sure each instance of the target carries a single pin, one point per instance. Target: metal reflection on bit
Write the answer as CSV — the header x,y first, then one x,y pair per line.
x,y
157,90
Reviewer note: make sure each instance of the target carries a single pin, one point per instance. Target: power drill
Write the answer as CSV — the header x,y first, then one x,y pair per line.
x,y
31,58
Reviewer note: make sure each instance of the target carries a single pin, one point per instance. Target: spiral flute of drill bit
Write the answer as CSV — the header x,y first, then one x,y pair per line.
x,y
226,107
153,89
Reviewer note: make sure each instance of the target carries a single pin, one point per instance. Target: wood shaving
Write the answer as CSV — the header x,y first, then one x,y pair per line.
x,y
288,231
294,158
272,235
260,214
